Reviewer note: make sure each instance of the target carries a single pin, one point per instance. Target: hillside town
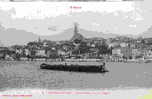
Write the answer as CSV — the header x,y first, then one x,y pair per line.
x,y
117,49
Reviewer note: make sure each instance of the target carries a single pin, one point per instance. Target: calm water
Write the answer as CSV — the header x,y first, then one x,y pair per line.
x,y
29,75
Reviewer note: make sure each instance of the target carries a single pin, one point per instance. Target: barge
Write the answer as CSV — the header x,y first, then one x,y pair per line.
x,y
79,66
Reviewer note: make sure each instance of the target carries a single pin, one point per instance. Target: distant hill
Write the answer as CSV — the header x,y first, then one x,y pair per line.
x,y
12,36
68,34
1,44
147,33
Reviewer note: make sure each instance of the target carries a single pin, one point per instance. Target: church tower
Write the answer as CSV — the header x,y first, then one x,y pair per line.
x,y
77,35
76,28
39,40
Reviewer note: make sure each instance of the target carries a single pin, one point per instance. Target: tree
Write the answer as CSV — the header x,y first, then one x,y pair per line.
x,y
103,48
77,41
83,48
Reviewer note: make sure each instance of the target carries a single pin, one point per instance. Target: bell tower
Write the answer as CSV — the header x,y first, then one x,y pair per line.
x,y
39,39
76,28
77,36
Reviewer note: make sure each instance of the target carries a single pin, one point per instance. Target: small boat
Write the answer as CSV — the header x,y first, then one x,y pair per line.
x,y
82,66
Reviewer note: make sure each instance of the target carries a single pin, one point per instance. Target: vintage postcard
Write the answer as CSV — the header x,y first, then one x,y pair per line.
x,y
55,50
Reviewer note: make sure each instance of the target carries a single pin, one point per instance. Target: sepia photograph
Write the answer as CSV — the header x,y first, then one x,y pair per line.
x,y
76,46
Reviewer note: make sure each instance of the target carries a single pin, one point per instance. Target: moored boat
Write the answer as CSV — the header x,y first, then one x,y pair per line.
x,y
81,66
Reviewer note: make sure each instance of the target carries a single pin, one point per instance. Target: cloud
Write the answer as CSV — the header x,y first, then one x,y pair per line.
x,y
53,18
41,10
133,25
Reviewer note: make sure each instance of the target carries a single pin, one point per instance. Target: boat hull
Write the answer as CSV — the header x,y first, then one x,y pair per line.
x,y
77,68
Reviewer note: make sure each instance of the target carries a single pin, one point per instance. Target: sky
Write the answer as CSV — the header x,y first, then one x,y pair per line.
x,y
52,18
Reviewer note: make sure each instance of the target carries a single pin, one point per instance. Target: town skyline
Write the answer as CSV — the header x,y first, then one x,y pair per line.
x,y
120,47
